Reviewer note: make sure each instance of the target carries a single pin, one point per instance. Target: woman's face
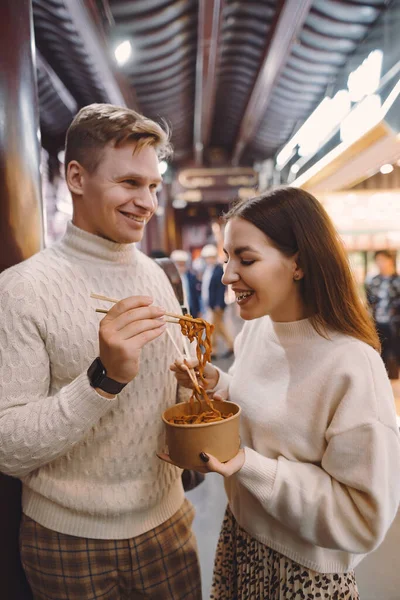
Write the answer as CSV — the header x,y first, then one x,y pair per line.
x,y
260,275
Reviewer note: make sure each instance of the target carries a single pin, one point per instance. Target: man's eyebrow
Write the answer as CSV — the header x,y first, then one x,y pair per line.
x,y
140,177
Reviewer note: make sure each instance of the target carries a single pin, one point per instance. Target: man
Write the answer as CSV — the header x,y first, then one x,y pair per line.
x,y
81,399
213,297
191,285
383,295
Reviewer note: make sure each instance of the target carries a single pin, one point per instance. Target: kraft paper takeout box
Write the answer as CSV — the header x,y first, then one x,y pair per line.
x,y
220,438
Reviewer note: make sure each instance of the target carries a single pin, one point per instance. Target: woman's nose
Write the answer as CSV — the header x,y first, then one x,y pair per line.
x,y
229,276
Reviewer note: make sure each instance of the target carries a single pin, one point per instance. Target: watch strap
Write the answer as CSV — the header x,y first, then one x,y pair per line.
x,y
97,375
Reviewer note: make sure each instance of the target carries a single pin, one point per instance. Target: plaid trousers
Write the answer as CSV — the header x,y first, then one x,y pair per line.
x,y
161,564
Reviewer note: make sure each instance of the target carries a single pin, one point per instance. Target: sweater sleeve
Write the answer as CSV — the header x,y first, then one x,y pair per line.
x,y
348,501
36,428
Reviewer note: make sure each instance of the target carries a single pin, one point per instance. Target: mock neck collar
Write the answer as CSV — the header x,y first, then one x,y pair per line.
x,y
87,245
295,331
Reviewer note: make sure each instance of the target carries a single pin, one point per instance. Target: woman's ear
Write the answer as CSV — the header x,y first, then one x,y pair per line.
x,y
298,272
74,178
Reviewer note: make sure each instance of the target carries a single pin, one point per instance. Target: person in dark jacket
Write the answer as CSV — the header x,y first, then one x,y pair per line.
x,y
191,285
383,295
213,297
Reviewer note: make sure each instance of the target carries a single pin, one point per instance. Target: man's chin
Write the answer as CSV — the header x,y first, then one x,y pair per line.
x,y
120,237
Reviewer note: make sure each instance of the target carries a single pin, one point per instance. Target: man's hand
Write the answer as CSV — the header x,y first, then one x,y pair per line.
x,y
129,325
211,374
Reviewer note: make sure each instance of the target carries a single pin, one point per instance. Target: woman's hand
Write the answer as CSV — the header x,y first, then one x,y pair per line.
x,y
213,465
179,367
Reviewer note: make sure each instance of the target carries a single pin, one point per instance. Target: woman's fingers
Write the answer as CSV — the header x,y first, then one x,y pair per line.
x,y
166,458
180,363
225,469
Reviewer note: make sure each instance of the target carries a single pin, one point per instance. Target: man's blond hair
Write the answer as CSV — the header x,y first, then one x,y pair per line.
x,y
98,125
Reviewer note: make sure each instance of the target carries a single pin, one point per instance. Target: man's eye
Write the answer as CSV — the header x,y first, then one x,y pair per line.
x,y
130,181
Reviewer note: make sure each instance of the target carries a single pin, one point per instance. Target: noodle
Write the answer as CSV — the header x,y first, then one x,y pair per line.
x,y
199,330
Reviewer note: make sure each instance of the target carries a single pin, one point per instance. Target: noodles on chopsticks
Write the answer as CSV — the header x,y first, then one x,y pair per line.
x,y
200,331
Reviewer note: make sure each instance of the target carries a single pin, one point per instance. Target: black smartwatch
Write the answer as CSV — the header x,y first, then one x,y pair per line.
x,y
98,378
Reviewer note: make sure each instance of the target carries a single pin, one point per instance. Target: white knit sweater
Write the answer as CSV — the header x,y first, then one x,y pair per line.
x,y
88,464
321,478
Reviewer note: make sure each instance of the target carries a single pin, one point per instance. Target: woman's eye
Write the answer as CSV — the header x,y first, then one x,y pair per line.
x,y
247,263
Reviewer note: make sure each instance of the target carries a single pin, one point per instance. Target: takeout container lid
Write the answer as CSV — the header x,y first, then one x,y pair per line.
x,y
219,438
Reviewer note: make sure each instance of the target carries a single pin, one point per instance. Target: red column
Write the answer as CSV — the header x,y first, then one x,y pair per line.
x,y
20,222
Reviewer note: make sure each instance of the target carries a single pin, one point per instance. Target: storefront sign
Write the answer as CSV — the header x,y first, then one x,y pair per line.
x,y
219,185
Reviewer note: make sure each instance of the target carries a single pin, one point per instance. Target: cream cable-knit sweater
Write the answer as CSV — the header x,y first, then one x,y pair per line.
x,y
88,464
321,478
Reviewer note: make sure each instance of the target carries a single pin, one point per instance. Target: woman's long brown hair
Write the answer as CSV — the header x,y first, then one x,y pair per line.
x,y
295,222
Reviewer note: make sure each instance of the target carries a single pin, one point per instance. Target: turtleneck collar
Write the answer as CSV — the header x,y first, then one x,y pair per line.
x,y
86,245
295,331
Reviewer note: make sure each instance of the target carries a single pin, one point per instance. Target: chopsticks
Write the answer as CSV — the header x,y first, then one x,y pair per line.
x,y
190,371
104,311
114,301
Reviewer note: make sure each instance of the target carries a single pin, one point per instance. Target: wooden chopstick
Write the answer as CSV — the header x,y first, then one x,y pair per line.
x,y
105,298
190,371
104,311
168,314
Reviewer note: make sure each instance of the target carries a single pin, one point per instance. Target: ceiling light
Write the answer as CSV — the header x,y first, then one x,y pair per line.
x,y
386,169
163,166
295,169
123,52
61,156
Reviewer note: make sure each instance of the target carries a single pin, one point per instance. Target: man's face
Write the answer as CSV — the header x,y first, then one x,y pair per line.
x,y
384,264
119,198
181,266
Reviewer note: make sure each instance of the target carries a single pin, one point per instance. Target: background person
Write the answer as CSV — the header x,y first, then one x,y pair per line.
x,y
191,285
316,485
383,295
213,298
81,399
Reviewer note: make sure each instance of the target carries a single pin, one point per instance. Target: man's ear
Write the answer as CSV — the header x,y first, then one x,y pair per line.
x,y
74,178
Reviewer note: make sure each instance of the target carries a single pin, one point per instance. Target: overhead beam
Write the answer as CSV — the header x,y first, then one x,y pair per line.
x,y
95,49
289,23
209,24
65,96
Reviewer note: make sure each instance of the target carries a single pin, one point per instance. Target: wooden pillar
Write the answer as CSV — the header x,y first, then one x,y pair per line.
x,y
21,222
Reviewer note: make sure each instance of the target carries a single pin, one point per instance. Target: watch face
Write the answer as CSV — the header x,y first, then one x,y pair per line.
x,y
96,373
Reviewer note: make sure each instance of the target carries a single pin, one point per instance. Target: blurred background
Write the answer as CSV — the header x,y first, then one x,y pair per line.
x,y
258,93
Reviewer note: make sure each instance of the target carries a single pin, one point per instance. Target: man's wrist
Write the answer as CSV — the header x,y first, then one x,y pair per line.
x,y
99,380
105,394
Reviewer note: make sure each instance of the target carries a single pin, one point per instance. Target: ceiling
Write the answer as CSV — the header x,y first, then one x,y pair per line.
x,y
233,78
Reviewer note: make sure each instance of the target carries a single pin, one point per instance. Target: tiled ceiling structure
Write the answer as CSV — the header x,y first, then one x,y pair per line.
x,y
234,78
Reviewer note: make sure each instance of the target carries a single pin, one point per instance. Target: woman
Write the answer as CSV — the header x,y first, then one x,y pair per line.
x,y
316,485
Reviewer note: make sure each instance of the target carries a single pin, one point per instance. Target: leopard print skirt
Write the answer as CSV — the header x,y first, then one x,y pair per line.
x,y
245,569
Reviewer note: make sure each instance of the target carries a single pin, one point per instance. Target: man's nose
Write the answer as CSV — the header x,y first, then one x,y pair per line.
x,y
146,199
